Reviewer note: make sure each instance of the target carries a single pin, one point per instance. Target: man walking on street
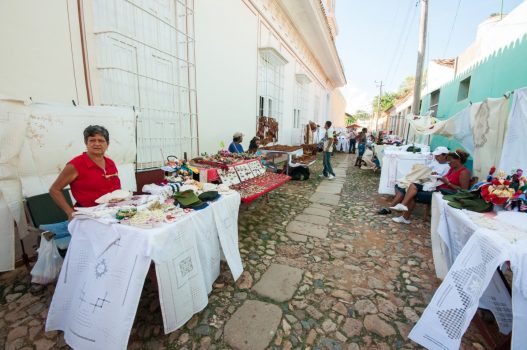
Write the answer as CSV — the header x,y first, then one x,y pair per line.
x,y
352,136
328,147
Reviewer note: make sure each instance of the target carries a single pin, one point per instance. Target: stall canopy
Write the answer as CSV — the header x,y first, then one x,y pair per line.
x,y
37,140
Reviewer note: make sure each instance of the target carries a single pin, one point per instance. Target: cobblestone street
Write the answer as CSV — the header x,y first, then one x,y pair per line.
x,y
322,271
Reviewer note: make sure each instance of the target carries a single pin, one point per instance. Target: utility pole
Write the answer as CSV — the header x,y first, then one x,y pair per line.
x,y
380,85
420,57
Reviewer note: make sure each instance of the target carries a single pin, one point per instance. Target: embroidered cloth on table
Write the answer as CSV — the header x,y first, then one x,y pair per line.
x,y
99,287
187,255
454,228
454,304
396,164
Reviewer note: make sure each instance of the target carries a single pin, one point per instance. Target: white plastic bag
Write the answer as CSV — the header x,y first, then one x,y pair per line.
x,y
49,263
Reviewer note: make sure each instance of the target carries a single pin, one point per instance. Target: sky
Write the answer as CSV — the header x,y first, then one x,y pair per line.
x,y
377,39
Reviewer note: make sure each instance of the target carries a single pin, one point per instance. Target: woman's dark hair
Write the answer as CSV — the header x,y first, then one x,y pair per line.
x,y
236,139
93,130
252,144
459,154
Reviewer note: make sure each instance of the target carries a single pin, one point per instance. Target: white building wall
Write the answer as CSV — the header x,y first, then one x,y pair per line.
x,y
226,64
40,51
494,34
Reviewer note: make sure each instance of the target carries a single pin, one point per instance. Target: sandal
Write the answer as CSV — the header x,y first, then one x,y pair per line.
x,y
384,211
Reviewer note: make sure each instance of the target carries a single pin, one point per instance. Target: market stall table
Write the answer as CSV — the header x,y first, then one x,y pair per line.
x,y
396,164
289,154
471,246
99,287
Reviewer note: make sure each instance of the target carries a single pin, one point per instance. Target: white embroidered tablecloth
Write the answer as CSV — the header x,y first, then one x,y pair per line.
x,y
473,246
395,165
100,284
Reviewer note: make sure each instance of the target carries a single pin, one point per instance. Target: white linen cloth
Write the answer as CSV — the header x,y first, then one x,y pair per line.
x,y
99,287
187,256
452,308
513,155
36,141
488,130
396,164
450,311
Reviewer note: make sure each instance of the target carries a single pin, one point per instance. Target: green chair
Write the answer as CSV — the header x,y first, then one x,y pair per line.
x,y
44,214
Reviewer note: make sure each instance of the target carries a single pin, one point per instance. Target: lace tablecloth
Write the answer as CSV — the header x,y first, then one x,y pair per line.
x,y
102,277
395,165
472,246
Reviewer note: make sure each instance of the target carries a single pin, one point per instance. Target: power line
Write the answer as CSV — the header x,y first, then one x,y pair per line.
x,y
403,47
401,35
452,28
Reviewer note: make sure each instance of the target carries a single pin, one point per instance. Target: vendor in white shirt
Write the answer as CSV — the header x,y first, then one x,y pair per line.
x,y
439,167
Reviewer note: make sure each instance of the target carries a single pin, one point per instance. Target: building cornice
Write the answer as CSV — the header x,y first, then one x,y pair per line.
x,y
309,18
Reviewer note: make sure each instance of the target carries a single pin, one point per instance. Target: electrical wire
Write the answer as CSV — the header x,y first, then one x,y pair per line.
x,y
398,45
452,28
403,48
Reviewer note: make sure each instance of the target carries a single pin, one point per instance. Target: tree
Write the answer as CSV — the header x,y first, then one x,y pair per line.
x,y
387,101
355,117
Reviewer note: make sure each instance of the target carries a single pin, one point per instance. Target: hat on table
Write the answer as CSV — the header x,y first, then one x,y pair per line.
x,y
186,198
440,150
208,196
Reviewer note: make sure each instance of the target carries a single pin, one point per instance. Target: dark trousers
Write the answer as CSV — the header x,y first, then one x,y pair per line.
x,y
327,165
352,146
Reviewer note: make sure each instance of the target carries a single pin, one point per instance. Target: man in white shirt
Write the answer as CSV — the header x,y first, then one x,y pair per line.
x,y
328,147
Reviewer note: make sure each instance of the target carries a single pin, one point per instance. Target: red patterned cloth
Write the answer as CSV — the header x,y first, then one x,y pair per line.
x,y
258,186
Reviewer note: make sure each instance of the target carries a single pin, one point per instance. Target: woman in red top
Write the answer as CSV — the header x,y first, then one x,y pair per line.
x,y
89,175
457,178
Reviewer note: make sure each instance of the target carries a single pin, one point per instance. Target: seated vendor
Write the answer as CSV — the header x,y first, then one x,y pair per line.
x,y
236,144
439,166
89,175
457,178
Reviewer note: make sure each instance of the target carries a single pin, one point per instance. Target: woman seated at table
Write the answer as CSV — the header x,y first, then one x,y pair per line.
x,y
457,178
236,144
89,175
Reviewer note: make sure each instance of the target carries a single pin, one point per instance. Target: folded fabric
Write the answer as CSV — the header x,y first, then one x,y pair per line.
x,y
209,196
62,235
60,229
468,200
420,173
186,198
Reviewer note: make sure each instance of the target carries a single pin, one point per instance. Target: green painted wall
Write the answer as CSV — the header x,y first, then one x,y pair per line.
x,y
504,70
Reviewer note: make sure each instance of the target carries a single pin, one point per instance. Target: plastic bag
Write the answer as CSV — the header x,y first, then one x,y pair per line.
x,y
49,263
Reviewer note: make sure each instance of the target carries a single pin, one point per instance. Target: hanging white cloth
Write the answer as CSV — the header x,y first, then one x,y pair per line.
x,y
488,130
514,154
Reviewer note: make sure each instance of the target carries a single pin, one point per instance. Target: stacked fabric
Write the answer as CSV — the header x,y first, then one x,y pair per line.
x,y
468,200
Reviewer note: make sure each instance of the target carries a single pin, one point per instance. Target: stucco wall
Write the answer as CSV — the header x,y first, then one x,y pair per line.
x,y
226,71
337,111
38,59
503,71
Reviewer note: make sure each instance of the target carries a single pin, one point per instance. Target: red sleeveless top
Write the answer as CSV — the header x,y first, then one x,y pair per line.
x,y
453,177
93,181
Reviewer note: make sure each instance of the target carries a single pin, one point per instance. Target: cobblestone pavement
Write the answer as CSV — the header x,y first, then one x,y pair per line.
x,y
363,286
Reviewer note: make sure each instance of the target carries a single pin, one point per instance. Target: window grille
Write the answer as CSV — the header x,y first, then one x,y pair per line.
x,y
271,84
145,59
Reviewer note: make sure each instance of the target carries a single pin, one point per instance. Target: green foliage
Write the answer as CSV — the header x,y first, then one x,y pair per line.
x,y
387,101
355,117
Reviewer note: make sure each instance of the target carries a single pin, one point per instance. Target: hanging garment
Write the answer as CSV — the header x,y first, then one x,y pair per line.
x,y
488,129
514,155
